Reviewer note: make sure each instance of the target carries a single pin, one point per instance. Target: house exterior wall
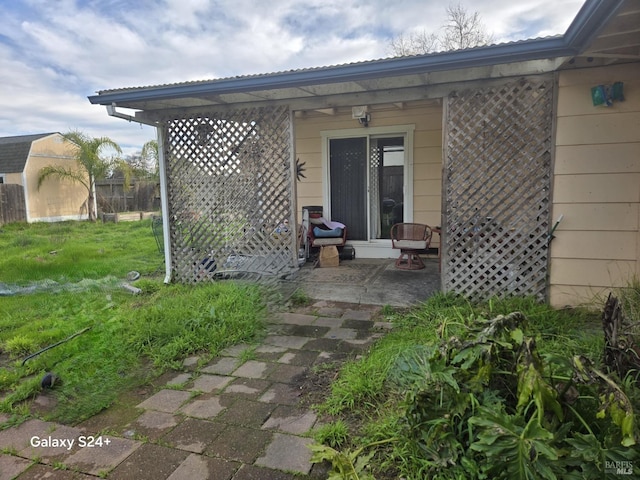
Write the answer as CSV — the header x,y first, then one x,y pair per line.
x,y
596,187
427,153
56,199
13,178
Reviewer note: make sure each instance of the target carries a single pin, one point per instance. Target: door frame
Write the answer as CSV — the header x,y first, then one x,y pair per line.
x,y
381,247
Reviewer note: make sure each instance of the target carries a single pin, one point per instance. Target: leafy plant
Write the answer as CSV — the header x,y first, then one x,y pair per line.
x,y
299,298
492,402
349,464
505,398
514,450
20,345
333,434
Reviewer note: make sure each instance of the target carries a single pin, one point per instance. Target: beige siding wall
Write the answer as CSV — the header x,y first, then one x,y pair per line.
x,y
596,186
13,178
56,199
427,152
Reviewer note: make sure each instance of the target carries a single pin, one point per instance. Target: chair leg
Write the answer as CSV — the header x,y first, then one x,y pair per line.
x,y
409,260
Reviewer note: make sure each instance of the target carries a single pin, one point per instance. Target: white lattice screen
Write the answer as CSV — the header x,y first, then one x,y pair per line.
x,y
497,190
230,191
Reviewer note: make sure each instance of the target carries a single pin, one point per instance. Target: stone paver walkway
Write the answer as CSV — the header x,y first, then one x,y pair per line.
x,y
238,417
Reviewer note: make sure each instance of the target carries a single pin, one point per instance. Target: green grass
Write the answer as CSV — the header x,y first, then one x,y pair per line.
x,y
334,434
363,383
72,251
131,338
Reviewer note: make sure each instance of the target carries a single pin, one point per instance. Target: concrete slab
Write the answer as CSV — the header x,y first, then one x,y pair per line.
x,y
48,472
324,345
361,325
286,341
250,387
290,420
191,362
11,467
295,318
329,312
221,366
369,282
206,408
210,383
149,462
198,467
235,351
342,333
270,349
15,439
283,373
288,453
281,393
247,413
299,357
329,322
251,472
383,326
153,424
312,331
97,461
253,369
179,379
168,401
351,314
193,435
240,444
53,445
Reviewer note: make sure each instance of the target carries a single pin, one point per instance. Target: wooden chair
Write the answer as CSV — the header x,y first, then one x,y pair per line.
x,y
410,239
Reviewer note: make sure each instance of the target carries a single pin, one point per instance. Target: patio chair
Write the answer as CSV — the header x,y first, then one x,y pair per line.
x,y
410,239
319,237
322,232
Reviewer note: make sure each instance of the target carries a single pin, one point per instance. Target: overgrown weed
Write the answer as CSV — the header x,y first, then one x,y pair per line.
x,y
422,349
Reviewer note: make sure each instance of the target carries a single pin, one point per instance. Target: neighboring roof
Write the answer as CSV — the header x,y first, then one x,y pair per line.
x,y
14,151
540,55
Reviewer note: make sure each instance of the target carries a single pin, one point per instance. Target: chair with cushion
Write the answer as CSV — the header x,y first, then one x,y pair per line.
x,y
410,239
321,236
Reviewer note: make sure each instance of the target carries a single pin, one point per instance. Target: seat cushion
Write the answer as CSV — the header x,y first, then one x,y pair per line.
x,y
410,244
319,232
322,242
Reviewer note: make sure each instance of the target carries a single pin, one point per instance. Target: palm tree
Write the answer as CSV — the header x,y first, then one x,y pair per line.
x,y
151,156
92,164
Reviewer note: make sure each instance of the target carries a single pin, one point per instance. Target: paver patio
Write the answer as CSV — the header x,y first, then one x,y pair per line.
x,y
227,420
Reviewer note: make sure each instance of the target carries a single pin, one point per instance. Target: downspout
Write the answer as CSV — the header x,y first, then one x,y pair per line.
x,y
164,205
111,111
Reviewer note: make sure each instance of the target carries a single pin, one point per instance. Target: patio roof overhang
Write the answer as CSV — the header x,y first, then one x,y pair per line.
x,y
604,30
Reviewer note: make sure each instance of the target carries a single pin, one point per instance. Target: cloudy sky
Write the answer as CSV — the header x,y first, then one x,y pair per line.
x,y
54,53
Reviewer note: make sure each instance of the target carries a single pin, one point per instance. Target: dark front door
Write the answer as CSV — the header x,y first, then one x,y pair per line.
x,y
348,178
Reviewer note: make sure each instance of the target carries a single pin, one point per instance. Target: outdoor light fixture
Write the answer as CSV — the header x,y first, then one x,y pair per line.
x,y
607,94
361,114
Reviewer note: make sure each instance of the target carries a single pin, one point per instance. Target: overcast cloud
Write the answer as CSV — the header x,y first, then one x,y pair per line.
x,y
54,53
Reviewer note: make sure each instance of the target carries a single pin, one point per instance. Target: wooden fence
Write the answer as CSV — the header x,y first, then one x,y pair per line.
x,y
12,204
142,195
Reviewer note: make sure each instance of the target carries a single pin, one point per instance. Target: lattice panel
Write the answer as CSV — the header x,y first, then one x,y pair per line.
x,y
229,186
497,190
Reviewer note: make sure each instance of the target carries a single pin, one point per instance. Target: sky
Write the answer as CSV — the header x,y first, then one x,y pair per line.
x,y
55,53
